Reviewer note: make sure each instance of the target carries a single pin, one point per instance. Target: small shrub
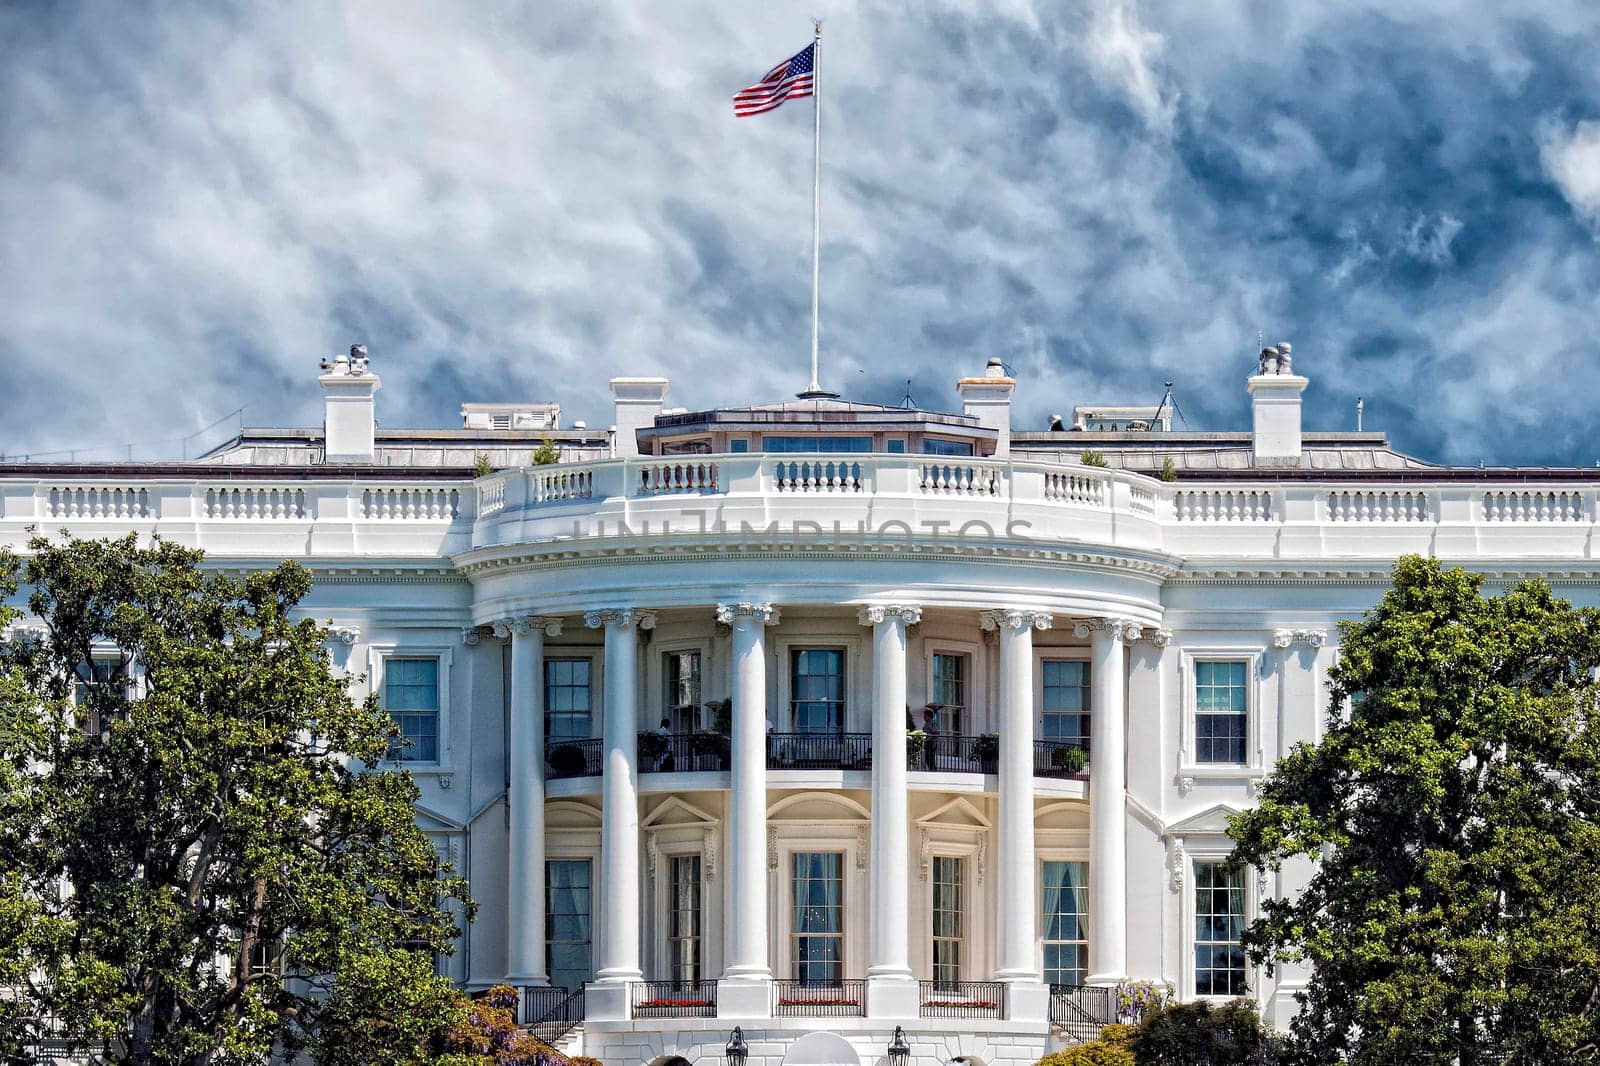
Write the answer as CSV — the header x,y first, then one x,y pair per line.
x,y
1118,1034
584,1060
707,742
546,454
986,747
721,716
1072,760
1090,457
1093,1053
481,465
652,746
916,743
1168,472
567,759
1136,999
1185,1033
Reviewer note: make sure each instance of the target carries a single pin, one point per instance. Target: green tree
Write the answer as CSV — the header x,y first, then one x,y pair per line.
x,y
1454,805
237,879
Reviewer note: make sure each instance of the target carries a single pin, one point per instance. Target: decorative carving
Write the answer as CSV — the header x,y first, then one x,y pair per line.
x,y
727,613
652,855
924,855
345,635
1311,638
627,617
24,633
874,613
444,780
1185,785
469,636
983,855
1158,637
861,847
1015,618
708,861
772,847
525,624
501,628
1124,629
1177,859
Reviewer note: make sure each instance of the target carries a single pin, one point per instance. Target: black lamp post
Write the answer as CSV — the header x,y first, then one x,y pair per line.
x,y
899,1050
737,1050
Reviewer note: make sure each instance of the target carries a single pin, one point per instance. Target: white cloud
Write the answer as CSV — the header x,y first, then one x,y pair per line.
x,y
1572,160
1124,54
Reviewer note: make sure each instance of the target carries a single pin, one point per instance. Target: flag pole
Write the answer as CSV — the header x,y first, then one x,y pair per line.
x,y
815,390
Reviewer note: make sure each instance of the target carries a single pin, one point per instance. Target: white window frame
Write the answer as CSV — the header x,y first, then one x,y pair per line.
x,y
1254,766
841,837
857,713
1206,850
656,678
969,900
1068,653
597,690
1042,855
378,656
977,714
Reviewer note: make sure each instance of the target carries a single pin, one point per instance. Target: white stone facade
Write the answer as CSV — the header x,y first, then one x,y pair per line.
x,y
559,612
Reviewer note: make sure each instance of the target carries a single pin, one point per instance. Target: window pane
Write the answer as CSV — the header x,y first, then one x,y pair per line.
x,y
948,885
684,920
771,443
567,707
411,696
1066,922
817,925
817,684
1066,702
567,922
1219,962
1221,712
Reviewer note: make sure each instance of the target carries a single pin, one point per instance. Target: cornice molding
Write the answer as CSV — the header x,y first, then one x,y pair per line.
x,y
1311,638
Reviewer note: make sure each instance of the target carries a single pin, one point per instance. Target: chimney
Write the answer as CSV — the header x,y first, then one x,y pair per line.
x,y
988,399
638,402
348,423
1275,408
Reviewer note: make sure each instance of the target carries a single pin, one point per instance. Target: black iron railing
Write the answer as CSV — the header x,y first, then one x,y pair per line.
x,y
673,999
573,758
831,999
682,752
819,751
1059,758
559,1020
536,1001
1079,1012
953,753
960,999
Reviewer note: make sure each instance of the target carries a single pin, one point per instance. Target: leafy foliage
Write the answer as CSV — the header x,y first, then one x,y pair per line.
x,y
1138,999
1090,1053
203,795
1198,1034
546,454
481,466
1168,471
1454,804
1091,457
486,1033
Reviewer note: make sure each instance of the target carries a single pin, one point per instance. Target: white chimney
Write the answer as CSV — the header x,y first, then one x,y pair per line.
x,y
988,399
638,402
1275,408
348,422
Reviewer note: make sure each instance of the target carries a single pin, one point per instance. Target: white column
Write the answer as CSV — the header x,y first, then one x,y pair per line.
x,y
891,988
745,990
525,963
1108,818
1017,879
619,817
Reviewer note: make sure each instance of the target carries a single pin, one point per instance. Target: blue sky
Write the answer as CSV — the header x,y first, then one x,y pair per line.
x,y
518,201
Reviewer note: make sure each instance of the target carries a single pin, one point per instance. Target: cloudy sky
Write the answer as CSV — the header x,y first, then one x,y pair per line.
x,y
520,200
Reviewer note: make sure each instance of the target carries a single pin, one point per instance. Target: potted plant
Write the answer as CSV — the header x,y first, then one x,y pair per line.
x,y
567,760
1071,760
707,742
651,747
916,744
986,748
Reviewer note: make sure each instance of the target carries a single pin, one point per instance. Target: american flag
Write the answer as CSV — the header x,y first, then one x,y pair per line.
x,y
788,80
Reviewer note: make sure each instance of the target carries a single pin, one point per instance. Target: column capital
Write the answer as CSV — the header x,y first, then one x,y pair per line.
x,y
1311,638
728,613
1159,637
346,635
469,636
874,613
1014,618
1120,628
525,624
627,617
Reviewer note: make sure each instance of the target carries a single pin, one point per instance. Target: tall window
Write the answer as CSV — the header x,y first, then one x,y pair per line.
x,y
1221,712
683,690
818,927
817,682
95,676
568,894
1066,702
568,705
772,443
1066,922
411,696
948,923
1218,923
683,932
950,691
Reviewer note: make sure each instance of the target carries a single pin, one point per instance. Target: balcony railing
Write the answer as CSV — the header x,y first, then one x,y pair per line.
x,y
573,758
565,1016
1078,1012
819,751
960,999
682,752
1059,758
810,999
673,999
954,753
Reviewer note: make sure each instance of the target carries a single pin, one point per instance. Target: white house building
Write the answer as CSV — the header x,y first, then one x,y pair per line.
x,y
774,717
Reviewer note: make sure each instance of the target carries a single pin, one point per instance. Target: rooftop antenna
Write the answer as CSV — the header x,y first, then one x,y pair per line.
x,y
906,401
1361,405
1167,398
